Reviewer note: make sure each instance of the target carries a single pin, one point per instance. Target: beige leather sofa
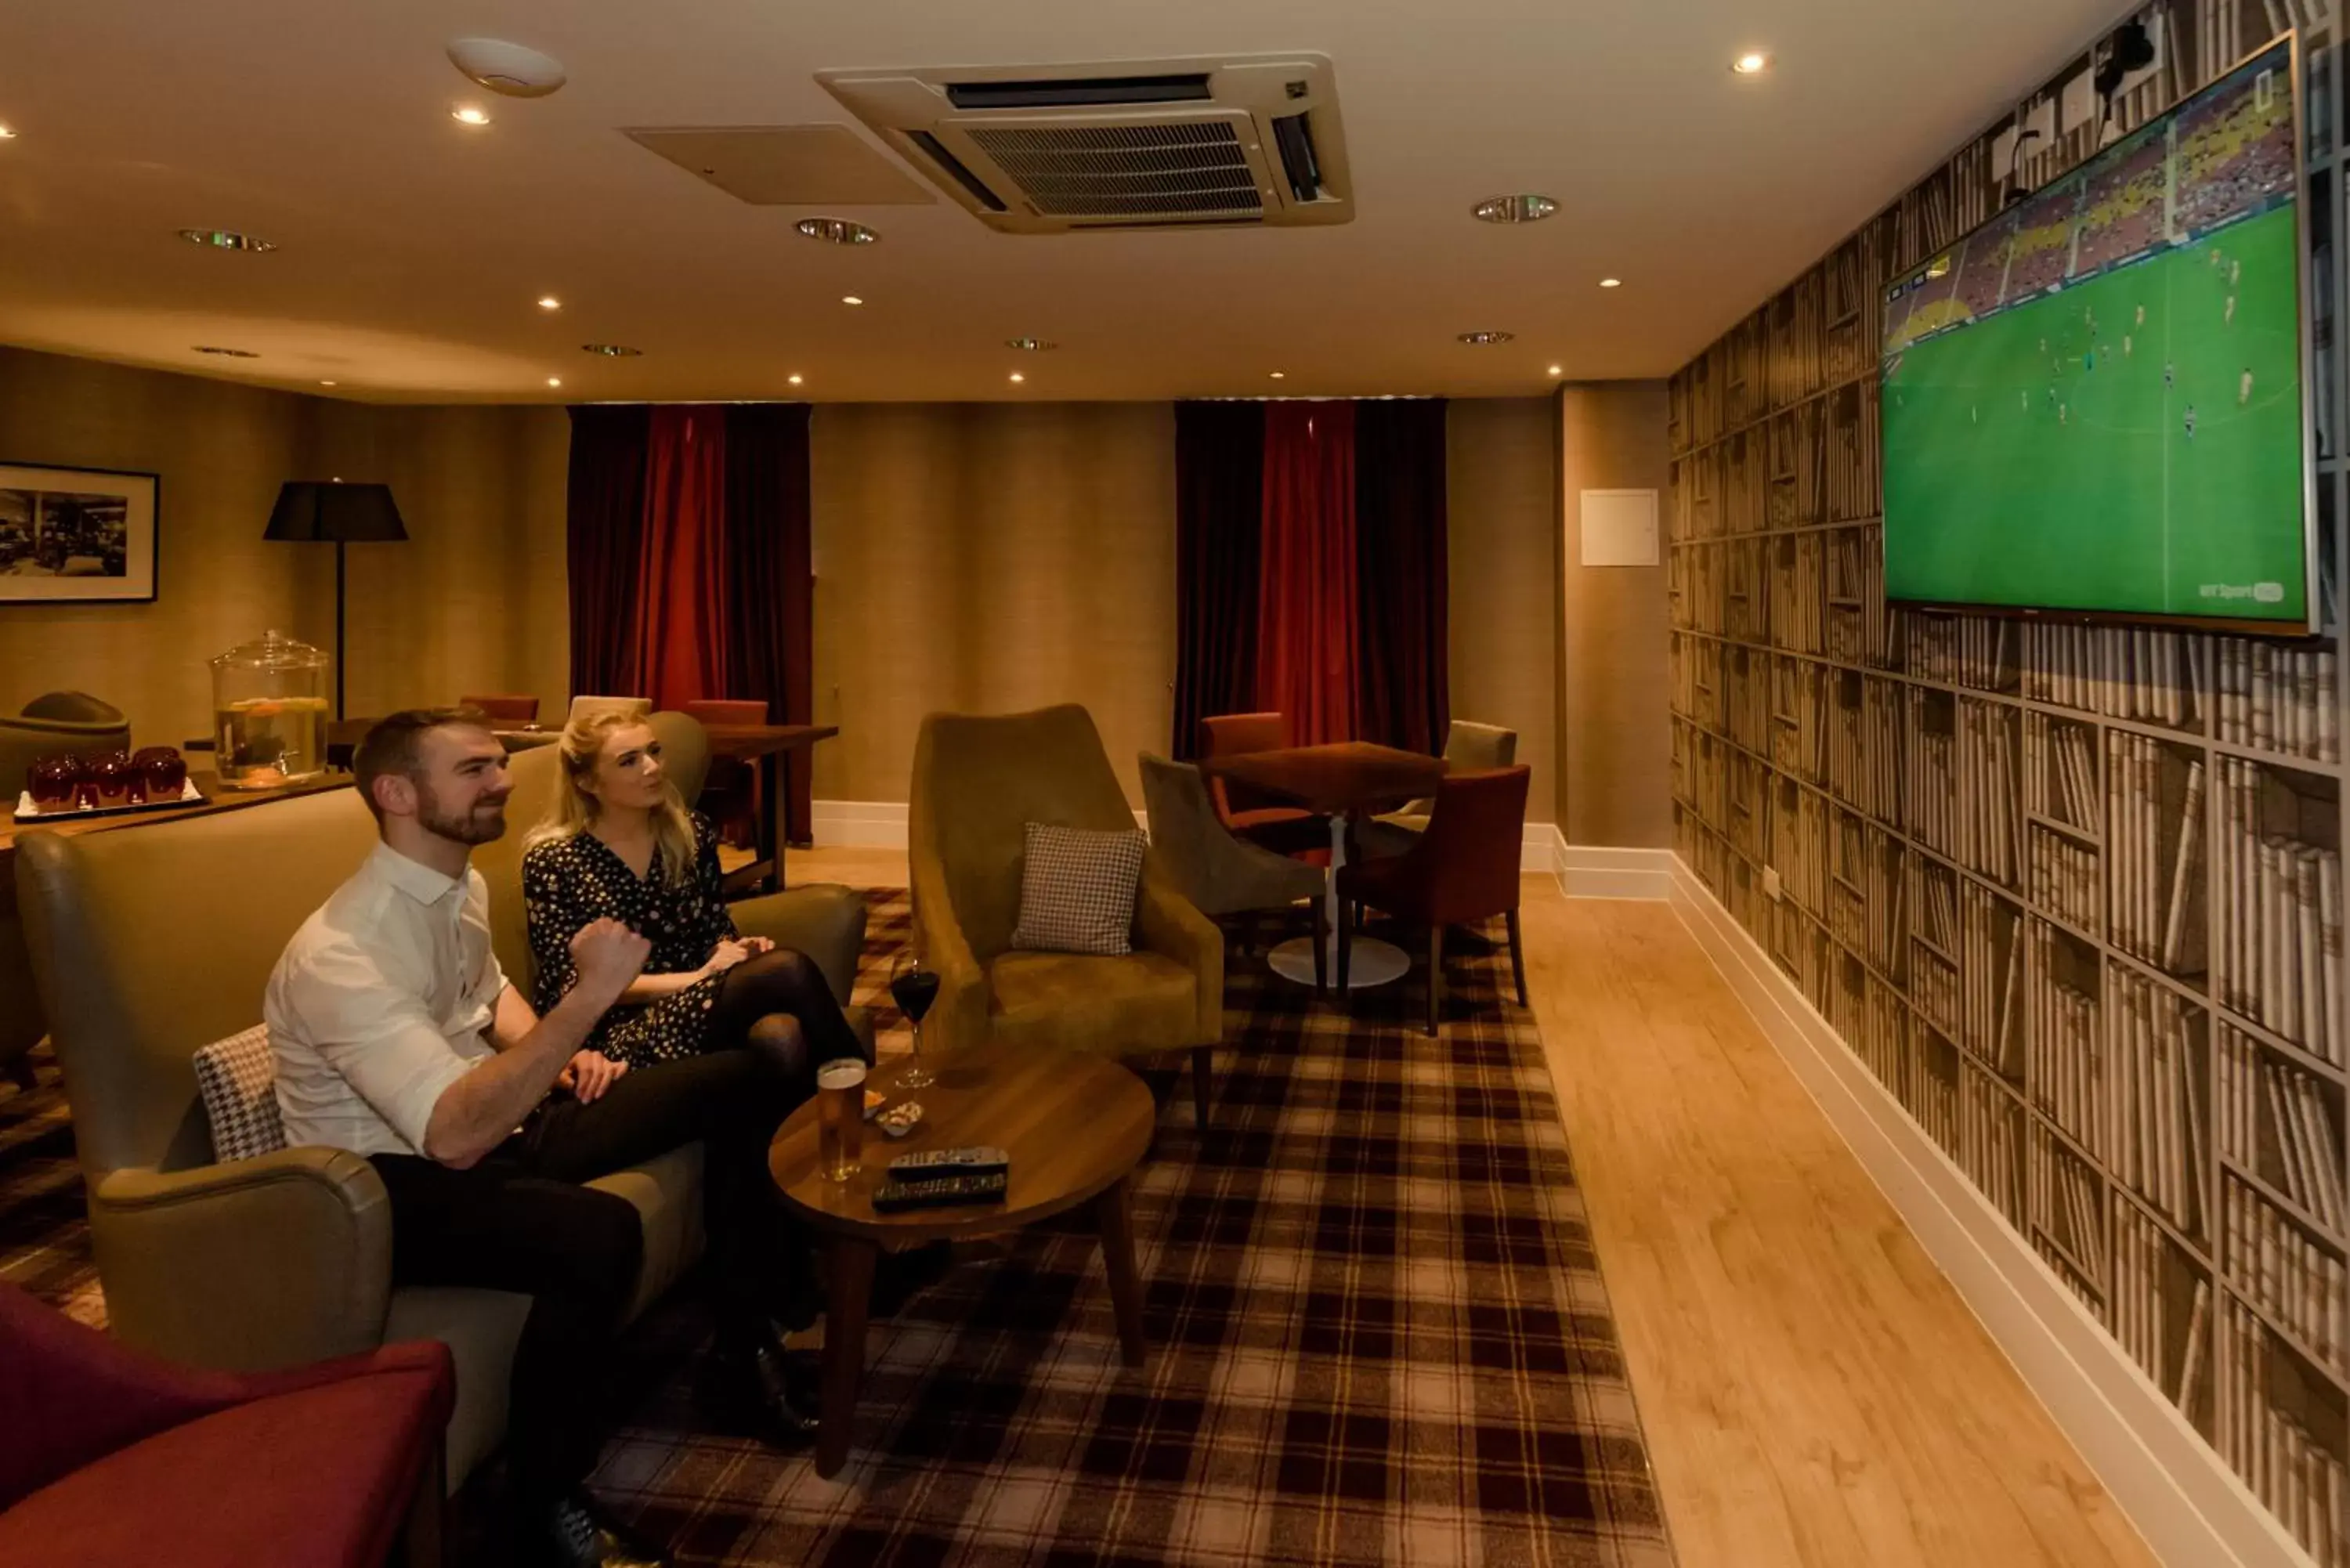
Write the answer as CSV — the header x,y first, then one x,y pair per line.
x,y
150,943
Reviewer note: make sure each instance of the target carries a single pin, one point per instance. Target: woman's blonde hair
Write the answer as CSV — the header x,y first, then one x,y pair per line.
x,y
576,806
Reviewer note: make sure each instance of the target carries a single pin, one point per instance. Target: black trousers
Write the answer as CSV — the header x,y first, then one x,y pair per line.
x,y
522,1220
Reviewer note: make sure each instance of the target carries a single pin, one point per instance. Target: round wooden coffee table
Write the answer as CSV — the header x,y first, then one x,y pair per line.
x,y
1074,1126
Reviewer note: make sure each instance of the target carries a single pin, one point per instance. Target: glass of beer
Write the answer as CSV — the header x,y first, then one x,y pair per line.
x,y
840,1118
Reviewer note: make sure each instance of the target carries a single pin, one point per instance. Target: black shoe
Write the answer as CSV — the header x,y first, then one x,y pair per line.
x,y
577,1533
760,1386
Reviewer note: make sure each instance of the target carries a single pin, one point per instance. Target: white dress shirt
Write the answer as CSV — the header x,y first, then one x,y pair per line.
x,y
382,1000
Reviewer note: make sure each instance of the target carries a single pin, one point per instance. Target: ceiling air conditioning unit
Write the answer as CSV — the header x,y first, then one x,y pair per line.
x,y
1036,150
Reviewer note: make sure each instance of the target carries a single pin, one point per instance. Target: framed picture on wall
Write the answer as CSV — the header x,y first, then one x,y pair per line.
x,y
76,535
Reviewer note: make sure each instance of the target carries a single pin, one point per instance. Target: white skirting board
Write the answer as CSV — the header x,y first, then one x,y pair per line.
x,y
1605,871
2178,1492
881,824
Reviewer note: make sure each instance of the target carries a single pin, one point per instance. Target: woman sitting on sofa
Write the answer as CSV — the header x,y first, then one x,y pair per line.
x,y
622,845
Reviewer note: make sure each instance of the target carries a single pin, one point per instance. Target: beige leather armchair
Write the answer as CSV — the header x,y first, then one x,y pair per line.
x,y
978,782
59,722
150,942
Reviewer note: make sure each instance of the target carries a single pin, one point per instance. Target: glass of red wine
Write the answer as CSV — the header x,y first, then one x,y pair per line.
x,y
913,988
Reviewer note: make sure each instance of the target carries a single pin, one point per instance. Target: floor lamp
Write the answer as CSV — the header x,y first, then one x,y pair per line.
x,y
309,511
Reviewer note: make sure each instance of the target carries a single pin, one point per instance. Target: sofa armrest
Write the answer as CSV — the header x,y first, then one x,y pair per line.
x,y
248,1266
958,1018
1169,925
824,921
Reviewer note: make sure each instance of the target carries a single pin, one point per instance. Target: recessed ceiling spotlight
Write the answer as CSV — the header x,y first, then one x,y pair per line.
x,y
227,353
327,383
1755,62
226,240
6,134
610,350
795,381
1525,209
1277,375
548,301
469,114
1556,371
554,381
1031,345
1485,340
1611,283
1018,377
850,299
507,68
837,231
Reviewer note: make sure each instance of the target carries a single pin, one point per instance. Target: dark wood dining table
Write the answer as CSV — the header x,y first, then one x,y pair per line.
x,y
1345,780
767,745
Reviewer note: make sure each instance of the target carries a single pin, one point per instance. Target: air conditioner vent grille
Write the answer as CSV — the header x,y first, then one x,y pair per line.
x,y
1114,171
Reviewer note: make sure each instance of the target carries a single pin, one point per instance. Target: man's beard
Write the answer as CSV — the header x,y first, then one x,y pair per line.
x,y
484,823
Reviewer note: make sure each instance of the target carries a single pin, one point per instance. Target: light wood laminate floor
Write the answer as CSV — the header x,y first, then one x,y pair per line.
x,y
1814,1391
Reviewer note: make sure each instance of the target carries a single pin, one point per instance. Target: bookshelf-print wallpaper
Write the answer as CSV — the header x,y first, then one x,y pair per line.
x,y
2073,894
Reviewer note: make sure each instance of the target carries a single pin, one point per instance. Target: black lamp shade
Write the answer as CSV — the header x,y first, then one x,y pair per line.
x,y
309,509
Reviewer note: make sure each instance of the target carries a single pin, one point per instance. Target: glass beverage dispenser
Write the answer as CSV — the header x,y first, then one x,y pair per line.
x,y
269,713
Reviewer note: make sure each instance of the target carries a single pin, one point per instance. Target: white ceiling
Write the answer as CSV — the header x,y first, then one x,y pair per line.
x,y
412,248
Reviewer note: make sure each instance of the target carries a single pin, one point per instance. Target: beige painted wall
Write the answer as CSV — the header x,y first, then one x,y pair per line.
x,y
986,557
1614,785
221,452
475,596
477,599
1501,484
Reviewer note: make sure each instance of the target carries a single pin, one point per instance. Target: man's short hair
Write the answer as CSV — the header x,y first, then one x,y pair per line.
x,y
394,748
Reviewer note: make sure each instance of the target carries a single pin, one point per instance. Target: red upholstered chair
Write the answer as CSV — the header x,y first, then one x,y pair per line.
x,y
730,794
1464,868
110,1457
1247,813
505,710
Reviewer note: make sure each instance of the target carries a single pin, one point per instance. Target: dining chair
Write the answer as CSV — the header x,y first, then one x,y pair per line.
x,y
581,706
1463,868
512,708
729,794
1467,748
1220,873
74,708
1259,818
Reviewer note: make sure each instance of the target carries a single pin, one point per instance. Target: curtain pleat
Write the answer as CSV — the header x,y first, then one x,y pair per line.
x,y
1403,630
1218,501
771,581
604,507
682,631
1307,638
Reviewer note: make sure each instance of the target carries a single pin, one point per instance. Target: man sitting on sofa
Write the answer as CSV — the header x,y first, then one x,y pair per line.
x,y
398,1037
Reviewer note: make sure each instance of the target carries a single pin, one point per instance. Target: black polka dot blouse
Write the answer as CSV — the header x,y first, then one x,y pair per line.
x,y
568,882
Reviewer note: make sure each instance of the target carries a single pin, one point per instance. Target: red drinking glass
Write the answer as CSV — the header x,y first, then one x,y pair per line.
x,y
109,777
165,770
52,781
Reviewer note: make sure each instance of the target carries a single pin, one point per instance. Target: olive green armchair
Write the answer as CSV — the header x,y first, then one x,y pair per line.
x,y
978,782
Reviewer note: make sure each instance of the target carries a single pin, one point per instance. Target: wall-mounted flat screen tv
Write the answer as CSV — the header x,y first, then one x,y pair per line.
x,y
2093,406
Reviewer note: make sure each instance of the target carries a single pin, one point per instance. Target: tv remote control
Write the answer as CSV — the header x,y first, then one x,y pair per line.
x,y
945,1193
980,1161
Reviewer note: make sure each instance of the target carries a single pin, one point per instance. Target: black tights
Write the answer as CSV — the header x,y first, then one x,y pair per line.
x,y
758,1001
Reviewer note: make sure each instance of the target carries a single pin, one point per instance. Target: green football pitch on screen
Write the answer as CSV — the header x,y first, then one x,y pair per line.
x,y
2132,443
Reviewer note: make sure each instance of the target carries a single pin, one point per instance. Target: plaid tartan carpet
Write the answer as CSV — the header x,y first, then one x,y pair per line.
x,y
1379,1333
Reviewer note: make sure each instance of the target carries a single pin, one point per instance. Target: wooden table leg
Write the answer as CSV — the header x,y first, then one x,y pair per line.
x,y
848,1288
1114,1218
771,820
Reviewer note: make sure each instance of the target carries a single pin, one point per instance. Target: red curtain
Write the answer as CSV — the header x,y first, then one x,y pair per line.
x,y
1402,590
1307,590
771,610
1219,500
682,622
605,524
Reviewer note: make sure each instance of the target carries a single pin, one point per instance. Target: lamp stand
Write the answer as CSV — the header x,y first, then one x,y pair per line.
x,y
338,630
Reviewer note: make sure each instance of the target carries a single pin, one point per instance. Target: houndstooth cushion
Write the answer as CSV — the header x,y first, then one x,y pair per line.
x,y
238,1079
1077,889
